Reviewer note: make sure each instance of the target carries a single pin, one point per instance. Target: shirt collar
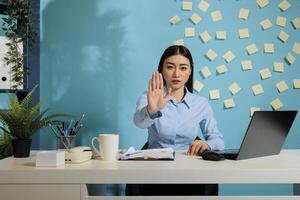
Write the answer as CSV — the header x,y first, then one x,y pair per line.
x,y
186,99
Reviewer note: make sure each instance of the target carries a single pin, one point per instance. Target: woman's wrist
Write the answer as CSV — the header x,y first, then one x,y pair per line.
x,y
151,111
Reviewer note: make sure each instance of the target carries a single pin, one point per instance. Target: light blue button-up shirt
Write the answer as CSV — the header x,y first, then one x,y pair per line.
x,y
179,123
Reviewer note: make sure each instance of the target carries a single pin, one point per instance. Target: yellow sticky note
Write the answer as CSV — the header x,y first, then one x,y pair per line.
x,y
222,69
284,5
251,49
253,109
290,59
205,72
246,65
216,15
296,83
283,36
244,13
266,24
234,88
195,18
265,73
211,55
276,104
244,33
296,48
257,89
280,21
214,94
278,67
189,32
205,37
262,3
187,5
269,48
229,103
282,86
179,42
175,20
220,35
203,5
198,86
229,56
296,23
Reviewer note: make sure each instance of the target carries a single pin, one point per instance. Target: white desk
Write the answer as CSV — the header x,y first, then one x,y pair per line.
x,y
19,178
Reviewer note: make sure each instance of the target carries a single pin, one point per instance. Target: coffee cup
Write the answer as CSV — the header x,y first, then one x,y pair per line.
x,y
108,146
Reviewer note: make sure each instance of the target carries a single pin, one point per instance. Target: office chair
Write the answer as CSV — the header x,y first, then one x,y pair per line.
x,y
171,189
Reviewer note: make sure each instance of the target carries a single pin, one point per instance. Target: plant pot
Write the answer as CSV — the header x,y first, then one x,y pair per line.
x,y
21,147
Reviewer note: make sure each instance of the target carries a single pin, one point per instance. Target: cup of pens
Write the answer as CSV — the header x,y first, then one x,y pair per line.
x,y
66,133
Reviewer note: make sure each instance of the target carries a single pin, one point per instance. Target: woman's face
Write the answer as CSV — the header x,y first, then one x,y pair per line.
x,y
176,71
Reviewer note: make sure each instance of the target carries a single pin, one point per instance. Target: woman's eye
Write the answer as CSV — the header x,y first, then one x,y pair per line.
x,y
183,68
169,66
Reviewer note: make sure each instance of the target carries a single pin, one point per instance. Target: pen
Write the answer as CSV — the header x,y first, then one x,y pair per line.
x,y
81,125
57,135
79,121
60,131
69,127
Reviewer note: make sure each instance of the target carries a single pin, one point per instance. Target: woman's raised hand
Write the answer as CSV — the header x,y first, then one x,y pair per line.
x,y
156,98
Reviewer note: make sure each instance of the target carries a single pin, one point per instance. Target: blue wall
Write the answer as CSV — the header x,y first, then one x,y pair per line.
x,y
97,55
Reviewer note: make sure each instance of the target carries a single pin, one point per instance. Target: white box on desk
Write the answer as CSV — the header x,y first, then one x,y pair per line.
x,y
50,158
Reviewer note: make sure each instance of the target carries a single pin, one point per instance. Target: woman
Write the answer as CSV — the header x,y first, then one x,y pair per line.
x,y
174,116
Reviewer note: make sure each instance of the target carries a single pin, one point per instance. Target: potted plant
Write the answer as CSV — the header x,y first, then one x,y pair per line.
x,y
22,119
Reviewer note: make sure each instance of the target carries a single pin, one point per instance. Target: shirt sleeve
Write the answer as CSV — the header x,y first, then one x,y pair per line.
x,y
210,131
141,118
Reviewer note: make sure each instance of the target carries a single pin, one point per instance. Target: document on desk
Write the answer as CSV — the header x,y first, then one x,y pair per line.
x,y
149,154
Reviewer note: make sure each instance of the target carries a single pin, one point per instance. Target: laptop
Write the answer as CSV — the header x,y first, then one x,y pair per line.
x,y
265,135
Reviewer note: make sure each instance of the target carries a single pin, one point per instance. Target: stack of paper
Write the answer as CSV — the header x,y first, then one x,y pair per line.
x,y
149,154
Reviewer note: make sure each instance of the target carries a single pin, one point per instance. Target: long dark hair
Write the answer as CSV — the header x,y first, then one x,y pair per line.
x,y
178,50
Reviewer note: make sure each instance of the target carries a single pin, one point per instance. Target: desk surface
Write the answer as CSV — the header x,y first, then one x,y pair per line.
x,y
282,168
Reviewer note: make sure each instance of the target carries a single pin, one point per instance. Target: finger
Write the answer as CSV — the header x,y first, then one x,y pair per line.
x,y
161,82
149,86
153,82
157,79
193,146
197,149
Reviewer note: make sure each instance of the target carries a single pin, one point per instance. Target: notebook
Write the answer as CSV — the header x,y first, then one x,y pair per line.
x,y
265,135
149,154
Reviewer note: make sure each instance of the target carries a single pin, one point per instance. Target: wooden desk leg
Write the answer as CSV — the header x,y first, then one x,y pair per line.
x,y
297,189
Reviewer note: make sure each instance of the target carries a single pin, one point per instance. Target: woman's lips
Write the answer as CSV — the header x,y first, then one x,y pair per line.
x,y
175,81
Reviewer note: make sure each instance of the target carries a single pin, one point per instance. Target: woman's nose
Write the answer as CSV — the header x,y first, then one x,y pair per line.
x,y
176,72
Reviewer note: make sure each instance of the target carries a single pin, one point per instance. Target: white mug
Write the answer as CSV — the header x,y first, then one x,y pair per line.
x,y
108,146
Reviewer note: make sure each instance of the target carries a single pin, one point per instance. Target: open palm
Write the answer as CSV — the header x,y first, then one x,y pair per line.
x,y
156,98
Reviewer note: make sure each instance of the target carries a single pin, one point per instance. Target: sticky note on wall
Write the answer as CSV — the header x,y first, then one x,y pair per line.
x,y
216,16
266,24
276,104
296,83
234,88
221,35
244,13
189,32
205,72
214,94
278,67
296,48
246,65
175,20
284,5
262,3
269,48
187,5
281,21
243,33
205,37
282,86
179,42
296,23
283,36
251,49
229,56
290,59
222,69
195,18
265,73
211,54
229,103
203,5
198,86
253,109
257,89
